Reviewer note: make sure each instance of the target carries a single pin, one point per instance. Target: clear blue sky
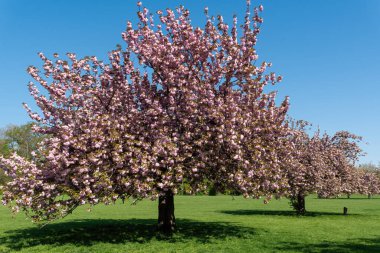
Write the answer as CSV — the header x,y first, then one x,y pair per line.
x,y
327,51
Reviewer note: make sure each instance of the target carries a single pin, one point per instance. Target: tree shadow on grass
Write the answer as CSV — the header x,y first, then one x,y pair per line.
x,y
280,213
355,246
88,232
352,198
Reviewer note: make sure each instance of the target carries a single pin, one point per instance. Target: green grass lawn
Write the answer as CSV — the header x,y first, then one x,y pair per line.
x,y
205,224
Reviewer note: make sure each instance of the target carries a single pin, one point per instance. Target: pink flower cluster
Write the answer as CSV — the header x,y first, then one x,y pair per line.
x,y
179,104
117,130
323,164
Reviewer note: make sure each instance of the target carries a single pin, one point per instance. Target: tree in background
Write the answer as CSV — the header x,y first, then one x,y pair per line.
x,y
342,152
322,164
4,147
19,139
305,170
369,179
119,130
369,182
350,182
3,178
5,150
370,167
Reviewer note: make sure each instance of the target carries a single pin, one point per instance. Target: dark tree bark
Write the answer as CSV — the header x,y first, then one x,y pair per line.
x,y
348,196
369,195
298,203
301,204
166,218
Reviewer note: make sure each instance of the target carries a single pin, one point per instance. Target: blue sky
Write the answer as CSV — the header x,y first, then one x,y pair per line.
x,y
327,51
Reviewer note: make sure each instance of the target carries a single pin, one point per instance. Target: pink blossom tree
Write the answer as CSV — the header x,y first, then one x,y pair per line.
x,y
369,183
321,164
350,182
342,152
368,179
180,103
305,170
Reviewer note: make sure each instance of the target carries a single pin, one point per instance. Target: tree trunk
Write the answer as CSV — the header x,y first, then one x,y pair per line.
x,y
301,209
166,218
369,195
348,196
298,203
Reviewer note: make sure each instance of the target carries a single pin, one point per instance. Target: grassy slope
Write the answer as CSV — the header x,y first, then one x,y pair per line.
x,y
205,224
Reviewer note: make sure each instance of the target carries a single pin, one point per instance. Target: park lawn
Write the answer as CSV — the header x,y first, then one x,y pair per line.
x,y
205,224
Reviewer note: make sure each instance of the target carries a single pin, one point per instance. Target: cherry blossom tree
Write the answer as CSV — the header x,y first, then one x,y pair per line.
x,y
369,183
180,103
321,163
342,152
304,171
350,182
368,179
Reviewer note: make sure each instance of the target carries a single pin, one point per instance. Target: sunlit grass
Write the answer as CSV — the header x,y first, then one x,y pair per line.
x,y
205,224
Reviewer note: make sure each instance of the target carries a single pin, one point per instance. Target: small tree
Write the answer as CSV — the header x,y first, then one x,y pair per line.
x,y
305,170
116,130
342,152
320,164
349,182
369,176
369,182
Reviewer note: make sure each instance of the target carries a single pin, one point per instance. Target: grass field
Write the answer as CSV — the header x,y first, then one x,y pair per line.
x,y
205,224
